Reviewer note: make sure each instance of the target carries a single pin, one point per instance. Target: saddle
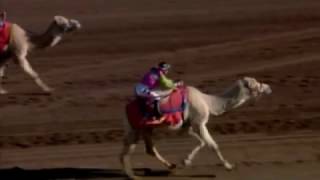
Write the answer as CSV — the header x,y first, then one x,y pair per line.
x,y
4,37
171,107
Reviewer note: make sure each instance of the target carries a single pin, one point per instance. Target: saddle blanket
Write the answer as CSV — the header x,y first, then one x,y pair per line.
x,y
4,36
171,107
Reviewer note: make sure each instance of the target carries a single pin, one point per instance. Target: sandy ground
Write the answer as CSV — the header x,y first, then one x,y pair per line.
x,y
76,132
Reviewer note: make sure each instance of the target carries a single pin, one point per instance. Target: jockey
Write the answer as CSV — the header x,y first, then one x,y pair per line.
x,y
151,85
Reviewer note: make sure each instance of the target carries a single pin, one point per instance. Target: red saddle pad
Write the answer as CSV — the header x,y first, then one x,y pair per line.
x,y
4,36
171,108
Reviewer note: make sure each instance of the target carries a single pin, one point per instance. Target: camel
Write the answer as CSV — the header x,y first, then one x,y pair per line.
x,y
21,42
196,115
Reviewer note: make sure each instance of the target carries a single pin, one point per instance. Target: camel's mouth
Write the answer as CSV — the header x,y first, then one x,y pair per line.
x,y
256,88
266,88
71,26
67,25
75,24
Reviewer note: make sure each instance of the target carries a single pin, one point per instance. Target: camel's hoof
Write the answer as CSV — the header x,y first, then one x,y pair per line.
x,y
186,163
229,166
48,90
135,178
2,91
172,167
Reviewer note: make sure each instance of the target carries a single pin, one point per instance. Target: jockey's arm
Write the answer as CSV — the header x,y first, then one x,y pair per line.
x,y
166,82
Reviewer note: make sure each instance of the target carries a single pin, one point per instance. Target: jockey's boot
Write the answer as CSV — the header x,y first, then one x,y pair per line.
x,y
155,109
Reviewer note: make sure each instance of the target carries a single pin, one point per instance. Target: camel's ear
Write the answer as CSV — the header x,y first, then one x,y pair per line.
x,y
75,23
250,82
59,20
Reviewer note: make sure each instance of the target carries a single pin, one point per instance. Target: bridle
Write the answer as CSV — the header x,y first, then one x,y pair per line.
x,y
253,91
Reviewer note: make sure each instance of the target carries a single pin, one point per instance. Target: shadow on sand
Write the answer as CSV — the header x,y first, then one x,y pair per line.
x,y
82,173
59,173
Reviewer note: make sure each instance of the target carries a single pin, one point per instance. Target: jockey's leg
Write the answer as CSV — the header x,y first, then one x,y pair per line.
x,y
156,112
143,106
141,92
152,105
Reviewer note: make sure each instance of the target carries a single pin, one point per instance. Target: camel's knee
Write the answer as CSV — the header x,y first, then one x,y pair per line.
x,y
2,73
208,140
131,138
128,146
31,72
127,149
121,158
25,65
124,158
202,144
149,148
151,153
213,145
130,149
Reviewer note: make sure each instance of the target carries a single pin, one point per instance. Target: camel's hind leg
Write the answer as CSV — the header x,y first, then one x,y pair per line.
x,y
205,135
129,144
2,74
25,65
195,133
152,151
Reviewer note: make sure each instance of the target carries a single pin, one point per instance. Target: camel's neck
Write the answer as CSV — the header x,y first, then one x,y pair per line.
x,y
234,97
231,99
47,39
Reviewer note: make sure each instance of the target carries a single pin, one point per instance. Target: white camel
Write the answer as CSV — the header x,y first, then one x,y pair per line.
x,y
196,118
21,42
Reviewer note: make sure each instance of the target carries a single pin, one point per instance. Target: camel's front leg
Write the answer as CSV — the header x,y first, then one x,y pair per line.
x,y
194,132
152,151
205,135
25,65
130,142
2,74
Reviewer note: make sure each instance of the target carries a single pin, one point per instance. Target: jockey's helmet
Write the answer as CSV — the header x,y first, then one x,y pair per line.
x,y
163,66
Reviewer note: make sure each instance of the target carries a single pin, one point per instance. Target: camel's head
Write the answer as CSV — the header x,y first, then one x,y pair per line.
x,y
62,25
66,25
255,88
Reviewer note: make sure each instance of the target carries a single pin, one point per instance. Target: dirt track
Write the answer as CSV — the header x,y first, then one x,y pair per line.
x,y
210,45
